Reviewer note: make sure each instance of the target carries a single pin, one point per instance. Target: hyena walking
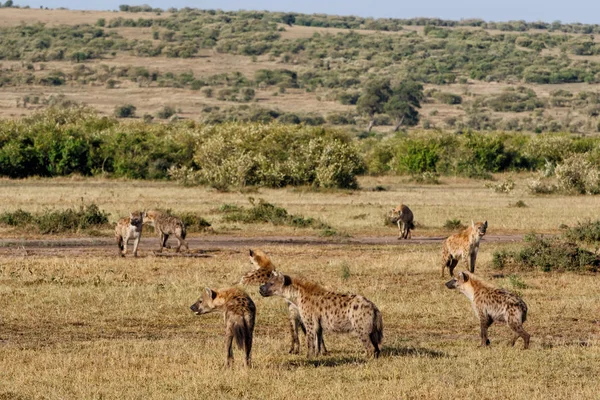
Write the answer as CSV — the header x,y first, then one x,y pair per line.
x,y
129,228
322,310
239,312
492,305
264,268
167,225
464,244
403,216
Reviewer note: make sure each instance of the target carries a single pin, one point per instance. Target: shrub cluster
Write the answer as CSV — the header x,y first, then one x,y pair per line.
x,y
554,254
57,221
264,212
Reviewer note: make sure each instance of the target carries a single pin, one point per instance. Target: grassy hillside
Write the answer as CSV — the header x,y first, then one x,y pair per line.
x,y
215,66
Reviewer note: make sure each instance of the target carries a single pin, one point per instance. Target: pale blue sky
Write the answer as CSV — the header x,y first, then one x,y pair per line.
x,y
585,11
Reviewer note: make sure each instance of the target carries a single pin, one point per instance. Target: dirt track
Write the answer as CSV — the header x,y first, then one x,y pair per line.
x,y
204,245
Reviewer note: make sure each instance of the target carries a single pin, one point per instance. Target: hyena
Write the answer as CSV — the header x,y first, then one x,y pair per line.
x,y
129,228
464,244
167,225
264,268
492,305
323,310
402,216
239,312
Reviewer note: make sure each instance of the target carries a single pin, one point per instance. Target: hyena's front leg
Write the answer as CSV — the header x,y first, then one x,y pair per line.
x,y
311,337
120,245
400,229
473,258
136,243
485,322
295,324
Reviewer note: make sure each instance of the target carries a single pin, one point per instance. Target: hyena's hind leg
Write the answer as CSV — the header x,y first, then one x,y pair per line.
x,y
229,332
517,327
180,241
119,239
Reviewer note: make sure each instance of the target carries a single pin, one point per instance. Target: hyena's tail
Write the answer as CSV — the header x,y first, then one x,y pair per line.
x,y
376,334
241,333
411,225
524,314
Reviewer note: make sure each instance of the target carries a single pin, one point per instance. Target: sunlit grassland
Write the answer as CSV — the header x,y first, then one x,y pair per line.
x,y
351,212
101,327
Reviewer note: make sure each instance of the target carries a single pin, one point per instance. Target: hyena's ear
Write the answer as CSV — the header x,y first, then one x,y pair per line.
x,y
463,276
251,253
485,224
472,224
287,280
210,293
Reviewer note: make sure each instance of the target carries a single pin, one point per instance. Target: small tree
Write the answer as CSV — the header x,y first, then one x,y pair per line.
x,y
289,19
375,94
403,103
8,4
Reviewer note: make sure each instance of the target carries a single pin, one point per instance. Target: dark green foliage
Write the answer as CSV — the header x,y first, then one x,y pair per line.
x,y
194,222
454,224
125,111
588,232
166,112
553,254
57,221
264,212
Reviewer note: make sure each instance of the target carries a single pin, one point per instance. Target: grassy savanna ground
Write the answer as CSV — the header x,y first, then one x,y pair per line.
x,y
352,212
85,326
193,104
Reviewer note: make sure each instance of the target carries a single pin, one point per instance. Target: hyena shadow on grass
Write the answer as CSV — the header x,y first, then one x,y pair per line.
x,y
403,351
324,361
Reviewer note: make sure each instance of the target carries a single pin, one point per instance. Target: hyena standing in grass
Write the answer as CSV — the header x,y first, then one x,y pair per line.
x,y
402,216
492,305
323,310
464,244
129,228
239,312
264,268
167,225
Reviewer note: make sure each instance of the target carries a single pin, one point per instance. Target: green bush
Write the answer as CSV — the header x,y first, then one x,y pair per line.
x,y
454,224
276,155
554,254
577,175
588,232
194,222
57,221
125,111
166,112
264,212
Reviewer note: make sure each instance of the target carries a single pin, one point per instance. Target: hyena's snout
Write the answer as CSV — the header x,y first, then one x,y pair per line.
x,y
451,284
264,291
194,307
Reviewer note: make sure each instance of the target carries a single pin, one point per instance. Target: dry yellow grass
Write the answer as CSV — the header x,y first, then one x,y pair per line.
x,y
18,16
91,327
356,213
86,325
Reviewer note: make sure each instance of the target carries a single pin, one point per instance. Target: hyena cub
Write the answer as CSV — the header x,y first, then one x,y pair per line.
x,y
264,268
167,225
492,305
129,228
239,311
322,310
464,244
402,216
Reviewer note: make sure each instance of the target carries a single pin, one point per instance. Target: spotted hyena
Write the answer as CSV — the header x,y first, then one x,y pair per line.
x,y
167,225
129,228
492,305
239,311
464,244
323,310
402,216
264,268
